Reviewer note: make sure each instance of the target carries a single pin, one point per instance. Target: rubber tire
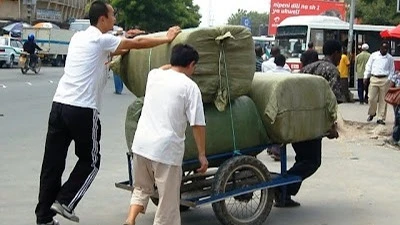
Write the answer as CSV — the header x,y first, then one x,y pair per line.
x,y
223,174
11,65
38,66
58,62
182,208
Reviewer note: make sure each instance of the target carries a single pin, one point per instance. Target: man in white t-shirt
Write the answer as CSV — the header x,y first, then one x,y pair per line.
x,y
269,65
280,62
74,113
171,101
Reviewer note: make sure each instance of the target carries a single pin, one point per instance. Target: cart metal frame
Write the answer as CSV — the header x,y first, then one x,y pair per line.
x,y
278,179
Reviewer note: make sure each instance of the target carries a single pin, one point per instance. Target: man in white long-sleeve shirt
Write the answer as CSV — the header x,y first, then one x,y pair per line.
x,y
379,68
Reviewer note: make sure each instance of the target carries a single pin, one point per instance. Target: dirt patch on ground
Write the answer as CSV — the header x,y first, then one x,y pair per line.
x,y
364,132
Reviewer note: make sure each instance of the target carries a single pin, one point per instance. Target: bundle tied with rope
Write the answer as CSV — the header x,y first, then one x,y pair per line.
x,y
292,107
238,127
226,62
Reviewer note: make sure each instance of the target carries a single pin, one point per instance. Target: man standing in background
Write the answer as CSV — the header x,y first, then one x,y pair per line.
x,y
269,65
361,61
327,67
379,67
309,56
343,68
259,60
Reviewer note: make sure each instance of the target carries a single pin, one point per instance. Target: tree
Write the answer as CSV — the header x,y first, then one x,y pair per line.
x,y
156,15
256,18
377,12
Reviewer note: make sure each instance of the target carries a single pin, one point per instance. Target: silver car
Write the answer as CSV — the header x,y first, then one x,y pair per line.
x,y
10,49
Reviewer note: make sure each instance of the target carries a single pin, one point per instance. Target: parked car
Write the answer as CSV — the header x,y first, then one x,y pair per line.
x,y
10,49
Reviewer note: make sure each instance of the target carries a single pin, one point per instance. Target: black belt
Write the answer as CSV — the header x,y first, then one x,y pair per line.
x,y
379,76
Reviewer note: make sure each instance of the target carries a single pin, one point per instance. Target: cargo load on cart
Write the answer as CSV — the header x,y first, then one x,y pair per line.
x,y
247,127
224,59
294,107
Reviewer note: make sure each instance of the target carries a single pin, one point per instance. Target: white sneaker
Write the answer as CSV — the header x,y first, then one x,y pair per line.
x,y
64,211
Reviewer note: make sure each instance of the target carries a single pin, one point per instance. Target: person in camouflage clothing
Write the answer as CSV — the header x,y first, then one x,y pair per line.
x,y
308,152
327,67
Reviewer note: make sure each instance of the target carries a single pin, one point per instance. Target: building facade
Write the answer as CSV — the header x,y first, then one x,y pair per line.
x,y
32,11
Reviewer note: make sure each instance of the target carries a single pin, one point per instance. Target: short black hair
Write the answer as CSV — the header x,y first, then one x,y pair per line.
x,y
259,51
97,9
275,51
280,60
385,43
331,46
183,54
310,45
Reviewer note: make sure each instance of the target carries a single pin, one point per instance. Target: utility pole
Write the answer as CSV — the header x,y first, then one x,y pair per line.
x,y
351,35
19,9
351,31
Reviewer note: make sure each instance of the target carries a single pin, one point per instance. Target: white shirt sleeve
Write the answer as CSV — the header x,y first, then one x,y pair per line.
x,y
368,66
268,66
109,42
194,107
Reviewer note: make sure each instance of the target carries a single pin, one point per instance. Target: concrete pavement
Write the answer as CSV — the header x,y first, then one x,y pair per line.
x,y
358,113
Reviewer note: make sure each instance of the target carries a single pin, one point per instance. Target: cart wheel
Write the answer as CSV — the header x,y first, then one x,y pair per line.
x,y
251,208
38,66
182,208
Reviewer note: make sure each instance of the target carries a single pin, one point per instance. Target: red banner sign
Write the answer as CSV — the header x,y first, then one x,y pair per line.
x,y
281,9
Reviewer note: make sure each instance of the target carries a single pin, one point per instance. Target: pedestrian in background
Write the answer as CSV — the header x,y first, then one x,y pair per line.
x,y
74,113
343,68
269,65
327,67
309,56
394,84
158,145
308,153
259,59
280,62
118,84
379,67
361,61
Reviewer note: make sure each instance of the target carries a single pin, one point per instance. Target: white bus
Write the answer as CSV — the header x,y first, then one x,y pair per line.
x,y
294,33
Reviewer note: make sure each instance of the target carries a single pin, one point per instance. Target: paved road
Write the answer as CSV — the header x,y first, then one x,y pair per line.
x,y
357,184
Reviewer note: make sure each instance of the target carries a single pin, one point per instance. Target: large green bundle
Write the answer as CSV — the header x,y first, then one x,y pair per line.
x,y
248,127
294,107
225,52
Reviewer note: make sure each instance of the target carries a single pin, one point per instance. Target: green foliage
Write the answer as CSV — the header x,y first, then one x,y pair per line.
x,y
377,12
156,15
256,19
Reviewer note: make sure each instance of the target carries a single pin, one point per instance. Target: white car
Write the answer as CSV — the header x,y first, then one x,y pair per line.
x,y
10,49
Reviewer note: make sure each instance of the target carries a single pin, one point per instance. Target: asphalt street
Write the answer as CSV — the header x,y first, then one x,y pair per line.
x,y
357,183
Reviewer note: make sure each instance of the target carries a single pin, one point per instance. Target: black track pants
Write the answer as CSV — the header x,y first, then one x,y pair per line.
x,y
67,123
